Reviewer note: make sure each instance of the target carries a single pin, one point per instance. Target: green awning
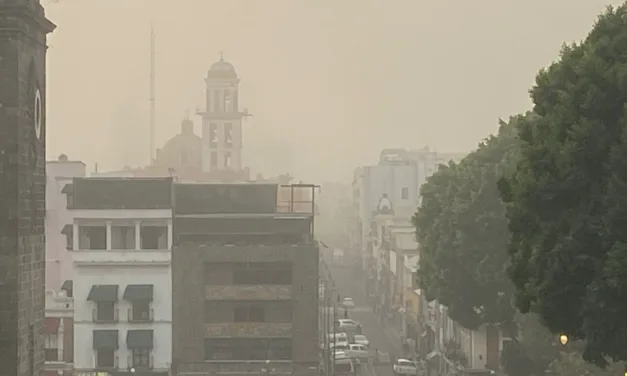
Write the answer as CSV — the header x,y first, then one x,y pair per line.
x,y
134,293
106,339
67,229
103,293
139,339
68,188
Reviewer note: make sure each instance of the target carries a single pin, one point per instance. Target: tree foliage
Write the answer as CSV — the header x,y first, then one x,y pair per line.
x,y
533,351
463,235
567,196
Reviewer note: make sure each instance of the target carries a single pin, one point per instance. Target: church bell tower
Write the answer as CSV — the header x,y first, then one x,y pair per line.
x,y
23,33
222,120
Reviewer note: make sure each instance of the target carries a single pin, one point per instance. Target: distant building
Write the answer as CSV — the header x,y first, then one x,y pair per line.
x,y
245,280
222,122
121,241
58,334
59,173
216,156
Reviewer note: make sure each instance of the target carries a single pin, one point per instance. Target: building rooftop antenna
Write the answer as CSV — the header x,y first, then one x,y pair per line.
x,y
152,94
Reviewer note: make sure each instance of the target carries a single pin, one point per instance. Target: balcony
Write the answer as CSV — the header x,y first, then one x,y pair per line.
x,y
104,316
248,330
122,257
141,316
248,292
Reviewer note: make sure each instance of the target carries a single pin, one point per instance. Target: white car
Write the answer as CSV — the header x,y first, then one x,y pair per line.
x,y
346,324
348,303
405,367
361,339
357,351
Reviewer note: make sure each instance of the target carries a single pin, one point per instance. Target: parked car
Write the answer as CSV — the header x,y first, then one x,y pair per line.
x,y
405,367
361,339
348,303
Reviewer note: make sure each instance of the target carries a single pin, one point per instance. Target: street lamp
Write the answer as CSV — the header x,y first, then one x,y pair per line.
x,y
564,340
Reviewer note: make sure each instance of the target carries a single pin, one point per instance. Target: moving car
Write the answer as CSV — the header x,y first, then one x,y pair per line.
x,y
361,339
405,367
357,351
347,324
338,338
344,365
348,303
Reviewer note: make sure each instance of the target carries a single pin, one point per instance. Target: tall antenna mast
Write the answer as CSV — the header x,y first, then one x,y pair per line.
x,y
152,94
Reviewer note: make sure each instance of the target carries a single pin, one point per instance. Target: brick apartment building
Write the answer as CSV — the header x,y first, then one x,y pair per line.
x,y
244,279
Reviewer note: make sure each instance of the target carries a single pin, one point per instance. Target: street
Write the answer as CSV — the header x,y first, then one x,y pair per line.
x,y
381,337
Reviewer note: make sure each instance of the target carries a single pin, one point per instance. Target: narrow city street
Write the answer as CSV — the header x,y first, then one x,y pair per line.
x,y
382,337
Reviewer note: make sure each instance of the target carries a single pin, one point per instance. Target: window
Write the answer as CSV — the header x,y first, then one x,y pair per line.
x,y
405,193
213,135
248,313
154,237
248,349
123,237
263,273
105,311
141,311
141,358
93,237
228,102
227,159
105,358
214,160
228,134
51,352
216,101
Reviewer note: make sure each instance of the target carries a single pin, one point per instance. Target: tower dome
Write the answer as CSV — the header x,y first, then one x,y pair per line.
x,y
222,69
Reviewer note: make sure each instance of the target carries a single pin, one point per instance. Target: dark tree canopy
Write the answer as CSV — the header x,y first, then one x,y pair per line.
x,y
463,236
567,196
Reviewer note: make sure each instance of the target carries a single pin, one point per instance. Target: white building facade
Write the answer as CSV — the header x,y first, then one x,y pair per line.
x,y
121,241
58,259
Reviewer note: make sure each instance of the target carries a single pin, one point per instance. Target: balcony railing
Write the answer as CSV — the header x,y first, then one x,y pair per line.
x,y
151,363
101,317
141,316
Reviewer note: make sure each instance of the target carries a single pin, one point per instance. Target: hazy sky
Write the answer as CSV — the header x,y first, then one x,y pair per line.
x,y
330,83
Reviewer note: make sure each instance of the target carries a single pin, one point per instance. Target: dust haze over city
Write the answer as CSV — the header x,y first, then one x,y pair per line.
x,y
300,188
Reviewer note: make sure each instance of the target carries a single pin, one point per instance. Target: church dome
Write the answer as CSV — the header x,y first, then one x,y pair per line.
x,y
222,69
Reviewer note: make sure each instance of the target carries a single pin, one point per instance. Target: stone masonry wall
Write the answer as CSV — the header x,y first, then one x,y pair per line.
x,y
22,190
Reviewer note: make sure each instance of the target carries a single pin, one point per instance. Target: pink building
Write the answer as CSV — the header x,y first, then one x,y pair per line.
x,y
58,258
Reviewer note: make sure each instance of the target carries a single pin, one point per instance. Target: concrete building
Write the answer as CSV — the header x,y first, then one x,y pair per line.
x,y
23,34
245,280
121,241
59,334
59,173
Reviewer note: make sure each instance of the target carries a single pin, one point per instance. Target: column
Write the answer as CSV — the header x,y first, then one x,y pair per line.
x,y
138,243
108,235
75,237
169,235
60,336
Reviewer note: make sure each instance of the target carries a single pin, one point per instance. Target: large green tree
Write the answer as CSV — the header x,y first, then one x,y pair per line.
x,y
463,236
567,196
